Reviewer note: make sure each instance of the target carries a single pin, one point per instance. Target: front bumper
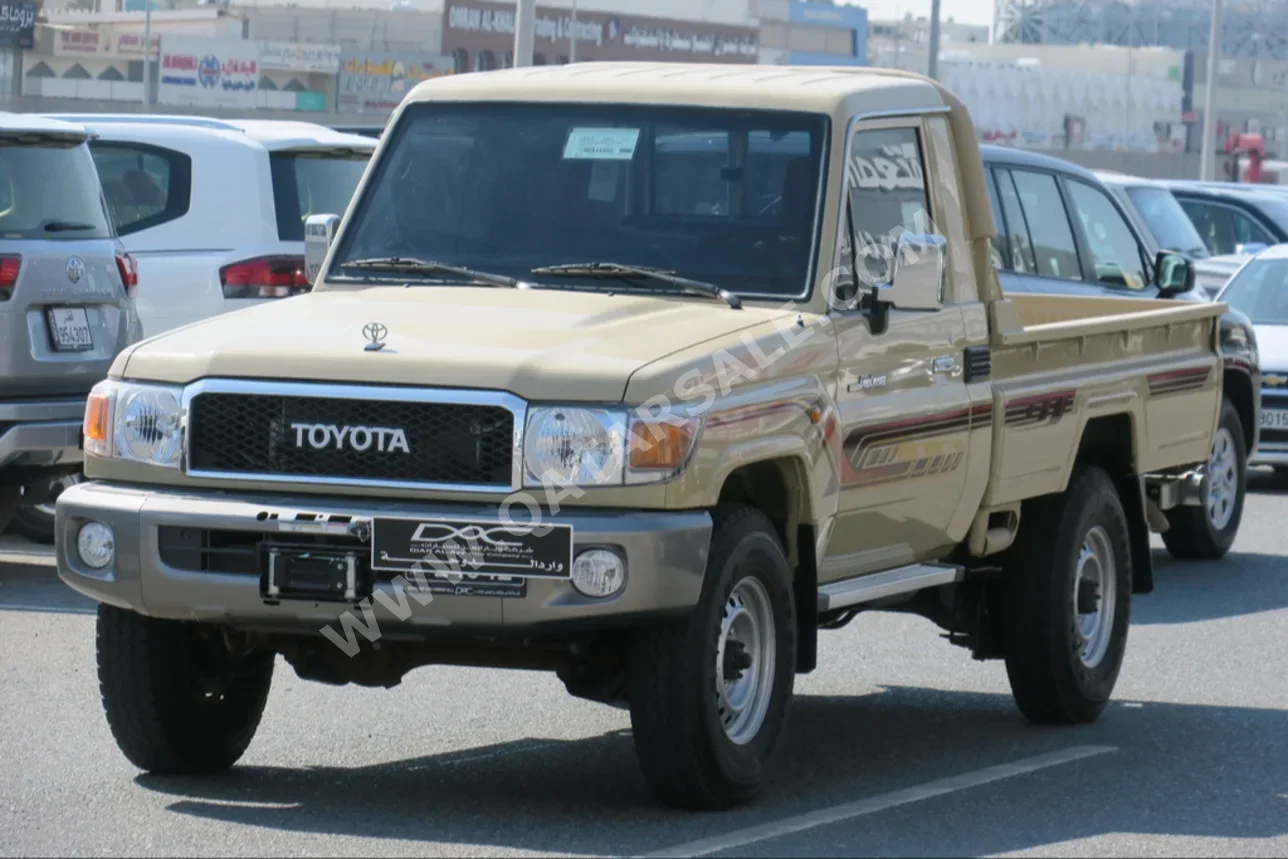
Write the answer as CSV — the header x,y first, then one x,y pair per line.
x,y
665,554
41,433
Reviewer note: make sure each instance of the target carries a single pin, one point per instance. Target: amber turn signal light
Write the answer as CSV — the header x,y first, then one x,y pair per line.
x,y
95,427
661,444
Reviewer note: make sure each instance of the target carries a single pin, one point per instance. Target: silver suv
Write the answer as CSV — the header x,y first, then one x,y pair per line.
x,y
66,309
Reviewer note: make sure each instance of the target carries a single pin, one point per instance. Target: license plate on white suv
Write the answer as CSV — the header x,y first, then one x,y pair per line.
x,y
1274,419
69,329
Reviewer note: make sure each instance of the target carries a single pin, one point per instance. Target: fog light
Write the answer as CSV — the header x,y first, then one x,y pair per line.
x,y
96,544
598,573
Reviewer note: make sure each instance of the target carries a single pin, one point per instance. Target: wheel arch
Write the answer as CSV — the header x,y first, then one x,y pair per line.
x,y
1109,442
1237,387
779,487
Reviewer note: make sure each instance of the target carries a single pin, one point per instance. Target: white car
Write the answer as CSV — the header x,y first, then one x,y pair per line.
x,y
213,209
1259,290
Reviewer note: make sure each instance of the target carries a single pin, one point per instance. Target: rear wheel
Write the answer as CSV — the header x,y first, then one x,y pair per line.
x,y
1208,532
709,695
10,500
36,521
177,699
1067,601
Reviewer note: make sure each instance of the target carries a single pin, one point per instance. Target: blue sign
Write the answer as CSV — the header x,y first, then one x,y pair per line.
x,y
852,18
208,71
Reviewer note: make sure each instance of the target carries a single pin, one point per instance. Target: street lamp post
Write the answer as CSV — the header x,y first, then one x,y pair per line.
x,y
932,69
524,27
147,51
572,35
1208,164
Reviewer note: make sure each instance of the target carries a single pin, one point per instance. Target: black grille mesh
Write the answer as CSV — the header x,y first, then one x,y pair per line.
x,y
447,443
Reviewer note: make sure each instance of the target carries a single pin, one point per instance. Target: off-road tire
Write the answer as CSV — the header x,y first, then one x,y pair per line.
x,y
687,758
33,523
1049,682
149,673
1191,536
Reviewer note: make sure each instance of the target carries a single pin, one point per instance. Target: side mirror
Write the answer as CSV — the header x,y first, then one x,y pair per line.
x,y
917,279
319,231
1173,273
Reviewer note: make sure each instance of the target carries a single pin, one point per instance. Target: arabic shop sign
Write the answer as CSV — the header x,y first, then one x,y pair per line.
x,y
300,57
17,23
208,72
378,81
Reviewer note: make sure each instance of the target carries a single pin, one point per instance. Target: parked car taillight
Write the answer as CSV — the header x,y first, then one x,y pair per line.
x,y
264,277
9,267
128,266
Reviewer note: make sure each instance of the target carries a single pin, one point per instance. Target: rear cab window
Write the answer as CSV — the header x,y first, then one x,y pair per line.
x,y
145,186
49,189
312,183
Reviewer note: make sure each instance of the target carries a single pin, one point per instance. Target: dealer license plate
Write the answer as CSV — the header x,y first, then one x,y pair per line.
x,y
69,329
470,557
1274,419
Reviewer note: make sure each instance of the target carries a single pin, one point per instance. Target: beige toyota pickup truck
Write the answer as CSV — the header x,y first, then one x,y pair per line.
x,y
640,374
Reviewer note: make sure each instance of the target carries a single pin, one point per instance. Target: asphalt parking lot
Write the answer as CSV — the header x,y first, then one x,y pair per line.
x,y
899,745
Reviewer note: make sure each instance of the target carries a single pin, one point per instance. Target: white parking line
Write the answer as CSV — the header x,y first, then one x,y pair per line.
x,y
848,811
29,559
50,609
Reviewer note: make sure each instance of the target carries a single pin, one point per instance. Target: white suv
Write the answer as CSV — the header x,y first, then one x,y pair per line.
x,y
214,209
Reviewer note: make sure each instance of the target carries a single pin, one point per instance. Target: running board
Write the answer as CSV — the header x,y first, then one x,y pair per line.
x,y
876,586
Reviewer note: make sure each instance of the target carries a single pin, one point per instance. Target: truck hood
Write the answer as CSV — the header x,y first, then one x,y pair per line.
x,y
539,344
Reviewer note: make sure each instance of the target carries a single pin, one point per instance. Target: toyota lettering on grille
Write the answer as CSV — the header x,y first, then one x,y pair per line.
x,y
359,439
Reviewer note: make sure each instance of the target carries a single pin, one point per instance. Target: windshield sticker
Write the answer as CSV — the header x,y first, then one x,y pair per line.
x,y
601,144
603,181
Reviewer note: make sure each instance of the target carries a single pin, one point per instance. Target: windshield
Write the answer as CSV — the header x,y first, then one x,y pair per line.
x,y
1167,221
1260,291
724,196
50,191
306,183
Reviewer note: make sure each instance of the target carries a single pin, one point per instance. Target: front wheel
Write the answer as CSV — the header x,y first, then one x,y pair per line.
x,y
709,695
1067,601
177,700
1206,533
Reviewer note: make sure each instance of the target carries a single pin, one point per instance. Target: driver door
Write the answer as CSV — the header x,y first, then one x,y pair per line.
x,y
903,402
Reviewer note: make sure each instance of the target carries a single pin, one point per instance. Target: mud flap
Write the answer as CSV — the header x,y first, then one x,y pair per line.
x,y
1131,491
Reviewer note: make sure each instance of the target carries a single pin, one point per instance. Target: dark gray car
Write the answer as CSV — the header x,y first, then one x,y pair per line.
x,y
66,309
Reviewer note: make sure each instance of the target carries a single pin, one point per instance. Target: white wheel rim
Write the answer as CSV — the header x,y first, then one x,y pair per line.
x,y
747,643
1095,596
1223,480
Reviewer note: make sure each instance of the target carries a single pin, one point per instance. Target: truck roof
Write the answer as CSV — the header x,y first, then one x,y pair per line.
x,y
820,89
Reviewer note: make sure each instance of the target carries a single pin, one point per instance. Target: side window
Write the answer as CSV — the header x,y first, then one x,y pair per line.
x,y
1213,224
886,178
145,185
1017,229
1054,249
998,242
1115,252
1246,230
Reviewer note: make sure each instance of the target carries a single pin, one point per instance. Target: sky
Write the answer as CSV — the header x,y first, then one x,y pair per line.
x,y
963,11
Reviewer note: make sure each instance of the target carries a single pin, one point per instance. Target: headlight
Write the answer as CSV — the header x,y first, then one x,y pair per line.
x,y
574,446
140,423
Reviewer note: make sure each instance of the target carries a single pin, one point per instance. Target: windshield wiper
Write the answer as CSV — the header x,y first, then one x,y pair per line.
x,y
630,272
57,226
425,266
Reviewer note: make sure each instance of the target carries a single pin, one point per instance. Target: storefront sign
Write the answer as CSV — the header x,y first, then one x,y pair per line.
x,y
17,23
78,43
375,80
208,72
472,26
314,101
300,57
131,44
